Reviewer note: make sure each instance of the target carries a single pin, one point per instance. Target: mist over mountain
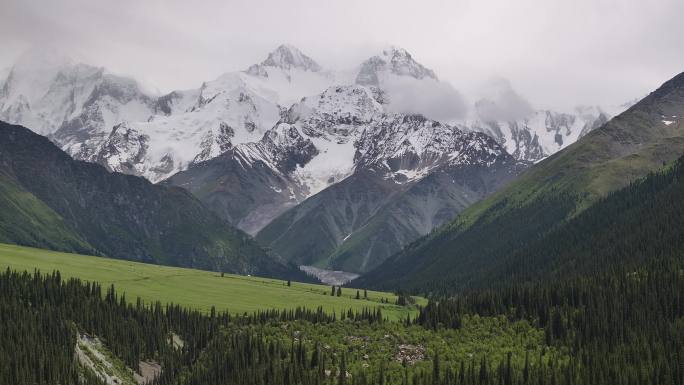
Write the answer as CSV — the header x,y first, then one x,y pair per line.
x,y
500,102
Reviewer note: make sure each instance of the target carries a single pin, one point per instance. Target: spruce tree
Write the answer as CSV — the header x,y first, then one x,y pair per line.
x,y
435,370
343,370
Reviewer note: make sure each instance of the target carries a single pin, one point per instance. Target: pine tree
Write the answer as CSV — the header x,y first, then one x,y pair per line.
x,y
508,374
435,370
343,370
484,376
315,356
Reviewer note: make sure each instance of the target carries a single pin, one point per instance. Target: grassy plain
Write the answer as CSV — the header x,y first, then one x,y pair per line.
x,y
196,289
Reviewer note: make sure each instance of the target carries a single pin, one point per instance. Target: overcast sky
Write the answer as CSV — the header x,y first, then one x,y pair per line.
x,y
555,53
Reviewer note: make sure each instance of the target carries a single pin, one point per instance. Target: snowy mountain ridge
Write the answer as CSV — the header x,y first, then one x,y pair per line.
x,y
540,134
526,133
100,117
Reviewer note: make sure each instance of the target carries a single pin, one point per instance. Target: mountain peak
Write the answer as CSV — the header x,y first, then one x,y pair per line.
x,y
395,60
396,51
287,57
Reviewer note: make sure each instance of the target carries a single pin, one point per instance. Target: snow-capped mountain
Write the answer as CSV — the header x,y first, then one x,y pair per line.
x,y
412,144
393,61
49,93
100,117
339,162
24,84
409,175
340,168
406,86
542,133
77,105
237,108
526,133
286,57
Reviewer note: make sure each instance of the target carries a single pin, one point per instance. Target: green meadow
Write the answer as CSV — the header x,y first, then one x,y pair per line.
x,y
196,289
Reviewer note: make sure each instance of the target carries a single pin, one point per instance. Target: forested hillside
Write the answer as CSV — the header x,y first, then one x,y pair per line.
x,y
625,326
619,328
625,230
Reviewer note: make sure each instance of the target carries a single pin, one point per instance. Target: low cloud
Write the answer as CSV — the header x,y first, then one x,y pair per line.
x,y
498,101
433,99
553,57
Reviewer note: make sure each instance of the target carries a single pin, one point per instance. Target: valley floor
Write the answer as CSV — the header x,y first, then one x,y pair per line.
x,y
331,277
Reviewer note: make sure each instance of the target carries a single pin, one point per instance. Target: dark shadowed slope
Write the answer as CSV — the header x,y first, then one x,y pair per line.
x,y
53,201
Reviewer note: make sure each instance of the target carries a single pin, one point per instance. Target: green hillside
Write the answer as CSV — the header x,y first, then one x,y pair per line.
x,y
27,220
469,249
53,201
196,289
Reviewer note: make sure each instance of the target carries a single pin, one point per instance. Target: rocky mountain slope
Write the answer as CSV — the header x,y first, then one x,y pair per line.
x,y
530,134
467,251
397,192
408,174
50,200
542,133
